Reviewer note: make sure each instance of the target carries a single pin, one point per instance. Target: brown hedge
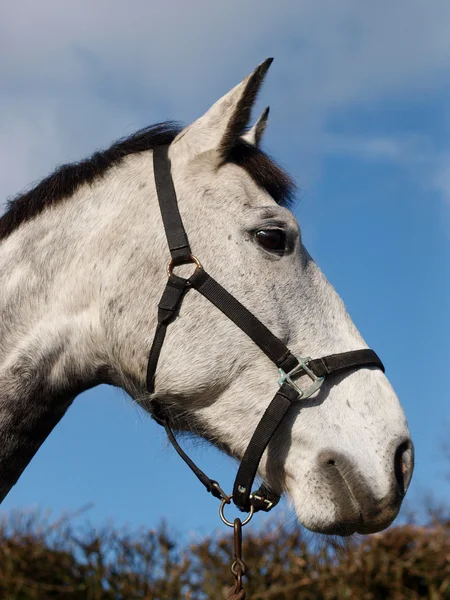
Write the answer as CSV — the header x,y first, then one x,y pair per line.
x,y
41,560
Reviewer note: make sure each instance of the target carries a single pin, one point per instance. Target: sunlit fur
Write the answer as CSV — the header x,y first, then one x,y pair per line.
x,y
80,284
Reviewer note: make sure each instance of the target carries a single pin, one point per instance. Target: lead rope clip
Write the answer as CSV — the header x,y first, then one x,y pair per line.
x,y
238,568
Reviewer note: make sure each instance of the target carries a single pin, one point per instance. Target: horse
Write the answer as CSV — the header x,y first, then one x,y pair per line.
x,y
83,264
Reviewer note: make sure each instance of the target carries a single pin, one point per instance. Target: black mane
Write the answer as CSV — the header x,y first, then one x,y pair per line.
x,y
64,182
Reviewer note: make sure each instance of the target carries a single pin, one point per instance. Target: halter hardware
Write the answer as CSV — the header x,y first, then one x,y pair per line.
x,y
257,499
227,500
175,263
301,368
221,494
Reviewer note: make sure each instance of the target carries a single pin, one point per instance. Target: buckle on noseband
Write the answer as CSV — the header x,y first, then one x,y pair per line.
x,y
301,368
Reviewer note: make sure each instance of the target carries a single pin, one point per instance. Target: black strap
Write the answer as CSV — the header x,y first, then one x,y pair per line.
x,y
272,346
344,361
168,308
267,426
173,224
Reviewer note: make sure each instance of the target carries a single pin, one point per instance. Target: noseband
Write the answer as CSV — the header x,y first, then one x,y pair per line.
x,y
290,367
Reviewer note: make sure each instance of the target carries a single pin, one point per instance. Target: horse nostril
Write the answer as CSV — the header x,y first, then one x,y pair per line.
x,y
327,458
404,465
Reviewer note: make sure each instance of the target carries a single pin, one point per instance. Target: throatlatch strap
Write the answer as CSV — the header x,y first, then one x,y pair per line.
x,y
175,233
244,319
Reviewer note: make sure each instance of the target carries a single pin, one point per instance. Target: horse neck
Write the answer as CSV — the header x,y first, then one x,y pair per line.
x,y
58,276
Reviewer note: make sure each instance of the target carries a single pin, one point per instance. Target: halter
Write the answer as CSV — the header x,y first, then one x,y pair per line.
x,y
290,367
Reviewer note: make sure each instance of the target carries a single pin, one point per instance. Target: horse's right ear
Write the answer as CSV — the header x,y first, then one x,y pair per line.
x,y
221,126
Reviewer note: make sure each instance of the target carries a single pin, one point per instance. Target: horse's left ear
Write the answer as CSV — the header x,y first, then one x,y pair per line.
x,y
254,135
221,126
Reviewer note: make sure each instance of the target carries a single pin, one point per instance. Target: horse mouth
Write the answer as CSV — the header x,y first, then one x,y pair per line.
x,y
353,510
338,529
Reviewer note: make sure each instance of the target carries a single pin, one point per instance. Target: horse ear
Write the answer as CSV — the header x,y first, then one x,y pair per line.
x,y
254,135
220,127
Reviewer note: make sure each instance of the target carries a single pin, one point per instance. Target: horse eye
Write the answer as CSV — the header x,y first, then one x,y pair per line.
x,y
272,239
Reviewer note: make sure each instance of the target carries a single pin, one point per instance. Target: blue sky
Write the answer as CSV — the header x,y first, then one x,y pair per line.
x,y
360,115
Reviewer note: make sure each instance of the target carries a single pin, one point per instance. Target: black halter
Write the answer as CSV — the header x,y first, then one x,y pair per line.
x,y
289,366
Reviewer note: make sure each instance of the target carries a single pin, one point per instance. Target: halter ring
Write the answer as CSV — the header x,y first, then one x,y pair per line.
x,y
192,259
229,523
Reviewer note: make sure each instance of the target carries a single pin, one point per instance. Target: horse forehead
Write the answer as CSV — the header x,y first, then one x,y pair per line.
x,y
229,186
232,173
203,172
240,188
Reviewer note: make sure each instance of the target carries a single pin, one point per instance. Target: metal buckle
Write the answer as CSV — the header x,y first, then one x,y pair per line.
x,y
268,503
302,366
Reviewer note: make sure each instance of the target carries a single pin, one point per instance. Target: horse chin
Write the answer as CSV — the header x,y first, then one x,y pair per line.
x,y
344,520
332,527
337,530
346,529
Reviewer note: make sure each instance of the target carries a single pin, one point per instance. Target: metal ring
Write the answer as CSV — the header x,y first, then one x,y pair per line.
x,y
229,523
238,566
192,259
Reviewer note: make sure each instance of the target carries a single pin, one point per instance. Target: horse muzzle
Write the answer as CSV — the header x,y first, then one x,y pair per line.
x,y
365,502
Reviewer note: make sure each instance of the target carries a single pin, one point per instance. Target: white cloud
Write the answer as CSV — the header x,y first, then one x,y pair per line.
x,y
427,165
77,75
408,151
